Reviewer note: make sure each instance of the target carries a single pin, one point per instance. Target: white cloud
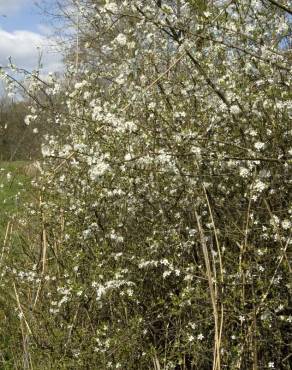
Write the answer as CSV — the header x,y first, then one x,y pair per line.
x,y
24,47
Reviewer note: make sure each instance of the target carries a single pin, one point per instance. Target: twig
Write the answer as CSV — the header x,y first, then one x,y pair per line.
x,y
44,253
217,354
21,310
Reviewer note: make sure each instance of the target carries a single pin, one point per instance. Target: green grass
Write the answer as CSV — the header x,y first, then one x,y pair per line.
x,y
14,188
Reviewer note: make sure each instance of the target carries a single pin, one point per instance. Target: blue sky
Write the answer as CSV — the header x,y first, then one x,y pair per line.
x,y
24,34
22,15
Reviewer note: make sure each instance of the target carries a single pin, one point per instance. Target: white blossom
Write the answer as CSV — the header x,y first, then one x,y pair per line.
x,y
234,109
98,170
286,224
121,39
259,145
111,6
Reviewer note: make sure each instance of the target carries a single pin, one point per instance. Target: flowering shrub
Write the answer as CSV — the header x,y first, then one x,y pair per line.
x,y
164,214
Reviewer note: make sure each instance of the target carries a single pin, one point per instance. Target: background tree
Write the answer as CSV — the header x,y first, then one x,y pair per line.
x,y
16,138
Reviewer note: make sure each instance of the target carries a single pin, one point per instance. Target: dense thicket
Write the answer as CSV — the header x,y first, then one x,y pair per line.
x,y
161,237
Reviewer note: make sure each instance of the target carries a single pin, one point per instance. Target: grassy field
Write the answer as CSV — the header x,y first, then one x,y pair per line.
x,y
14,187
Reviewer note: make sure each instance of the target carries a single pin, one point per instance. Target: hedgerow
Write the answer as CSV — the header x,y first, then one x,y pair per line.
x,y
161,232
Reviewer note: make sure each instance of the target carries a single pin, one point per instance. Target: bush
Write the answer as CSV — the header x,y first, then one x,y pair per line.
x,y
163,222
